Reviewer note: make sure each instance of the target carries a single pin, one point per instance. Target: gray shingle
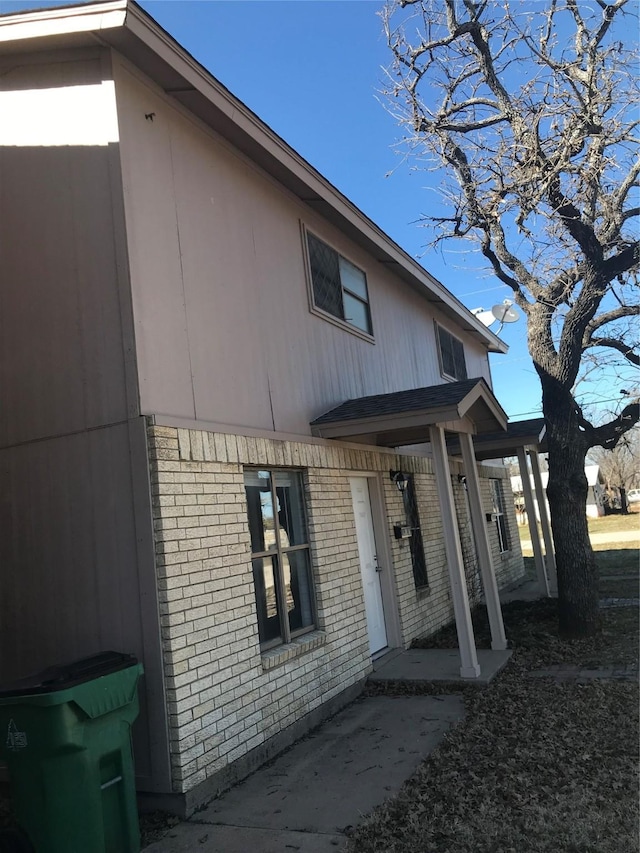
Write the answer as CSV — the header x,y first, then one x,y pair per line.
x,y
397,402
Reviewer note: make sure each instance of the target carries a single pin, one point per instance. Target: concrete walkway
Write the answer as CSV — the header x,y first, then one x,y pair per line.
x,y
307,799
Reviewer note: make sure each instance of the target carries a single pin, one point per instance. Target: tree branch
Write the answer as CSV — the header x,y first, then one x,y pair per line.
x,y
608,435
612,343
609,316
621,263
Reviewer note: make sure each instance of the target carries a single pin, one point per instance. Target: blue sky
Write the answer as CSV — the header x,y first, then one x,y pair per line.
x,y
312,70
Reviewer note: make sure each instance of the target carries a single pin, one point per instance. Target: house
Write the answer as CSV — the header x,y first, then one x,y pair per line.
x,y
241,428
596,491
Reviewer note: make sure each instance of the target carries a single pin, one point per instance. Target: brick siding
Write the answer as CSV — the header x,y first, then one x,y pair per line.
x,y
224,695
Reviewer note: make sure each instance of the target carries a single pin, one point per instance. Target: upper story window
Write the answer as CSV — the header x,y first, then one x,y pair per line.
x,y
451,351
339,287
280,555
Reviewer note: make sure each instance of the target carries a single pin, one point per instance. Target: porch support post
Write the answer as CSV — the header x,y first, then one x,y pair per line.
x,y
533,525
549,549
491,595
469,667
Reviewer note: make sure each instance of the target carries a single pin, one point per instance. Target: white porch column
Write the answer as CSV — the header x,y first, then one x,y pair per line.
x,y
469,667
549,550
491,595
533,526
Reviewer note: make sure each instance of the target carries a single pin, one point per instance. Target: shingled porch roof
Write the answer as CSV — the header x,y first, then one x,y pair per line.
x,y
404,417
496,445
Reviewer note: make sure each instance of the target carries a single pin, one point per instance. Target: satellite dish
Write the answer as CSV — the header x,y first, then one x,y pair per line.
x,y
485,317
504,312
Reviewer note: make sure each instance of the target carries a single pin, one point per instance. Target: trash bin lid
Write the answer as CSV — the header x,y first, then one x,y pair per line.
x,y
63,676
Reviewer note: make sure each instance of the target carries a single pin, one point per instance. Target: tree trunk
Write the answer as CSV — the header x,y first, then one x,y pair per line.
x,y
567,494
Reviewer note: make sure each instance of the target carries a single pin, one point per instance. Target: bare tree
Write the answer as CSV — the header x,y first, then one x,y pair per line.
x,y
620,466
531,111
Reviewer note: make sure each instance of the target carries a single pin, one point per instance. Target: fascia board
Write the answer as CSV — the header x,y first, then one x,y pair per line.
x,y
504,448
420,435
480,392
64,20
384,423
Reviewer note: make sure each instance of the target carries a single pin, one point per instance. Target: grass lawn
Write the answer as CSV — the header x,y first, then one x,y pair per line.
x,y
617,561
606,524
537,766
627,558
616,523
622,564
619,588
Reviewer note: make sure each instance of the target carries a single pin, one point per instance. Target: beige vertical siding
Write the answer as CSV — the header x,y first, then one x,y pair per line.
x,y
75,515
72,583
63,351
223,327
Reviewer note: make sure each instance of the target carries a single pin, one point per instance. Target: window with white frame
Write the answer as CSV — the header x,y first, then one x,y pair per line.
x,y
502,526
451,353
339,287
280,555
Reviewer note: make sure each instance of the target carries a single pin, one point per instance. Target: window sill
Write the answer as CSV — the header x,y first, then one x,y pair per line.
x,y
342,324
300,646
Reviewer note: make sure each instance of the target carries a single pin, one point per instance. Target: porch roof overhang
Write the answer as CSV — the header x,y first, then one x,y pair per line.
x,y
496,445
404,417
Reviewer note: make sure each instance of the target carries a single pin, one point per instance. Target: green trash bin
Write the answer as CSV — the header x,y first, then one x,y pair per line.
x,y
65,735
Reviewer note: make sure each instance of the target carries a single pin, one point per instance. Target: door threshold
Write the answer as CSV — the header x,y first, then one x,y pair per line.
x,y
386,652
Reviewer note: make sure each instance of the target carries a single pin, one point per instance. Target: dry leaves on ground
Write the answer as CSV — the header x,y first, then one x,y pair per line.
x,y
536,766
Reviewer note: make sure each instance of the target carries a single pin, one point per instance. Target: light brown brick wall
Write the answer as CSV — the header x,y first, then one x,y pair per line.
x,y
224,696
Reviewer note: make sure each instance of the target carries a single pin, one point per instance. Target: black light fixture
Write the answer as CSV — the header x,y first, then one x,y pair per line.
x,y
401,480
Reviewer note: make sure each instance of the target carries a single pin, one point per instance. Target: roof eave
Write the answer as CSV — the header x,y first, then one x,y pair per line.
x,y
63,20
469,414
388,423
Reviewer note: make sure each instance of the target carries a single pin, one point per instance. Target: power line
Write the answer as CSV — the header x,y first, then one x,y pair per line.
x,y
539,411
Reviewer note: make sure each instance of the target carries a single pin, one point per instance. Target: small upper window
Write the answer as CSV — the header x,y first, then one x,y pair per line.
x,y
339,287
451,351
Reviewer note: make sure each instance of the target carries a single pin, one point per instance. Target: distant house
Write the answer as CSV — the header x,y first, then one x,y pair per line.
x,y
595,494
227,398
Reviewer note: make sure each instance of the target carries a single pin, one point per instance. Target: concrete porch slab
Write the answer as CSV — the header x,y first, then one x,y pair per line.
x,y
440,665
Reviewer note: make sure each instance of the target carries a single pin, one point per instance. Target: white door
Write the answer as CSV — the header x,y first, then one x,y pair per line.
x,y
368,564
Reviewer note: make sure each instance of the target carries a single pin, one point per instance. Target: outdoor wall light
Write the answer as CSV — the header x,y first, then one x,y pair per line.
x,y
401,480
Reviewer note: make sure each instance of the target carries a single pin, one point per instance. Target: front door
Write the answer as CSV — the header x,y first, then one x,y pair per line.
x,y
368,564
